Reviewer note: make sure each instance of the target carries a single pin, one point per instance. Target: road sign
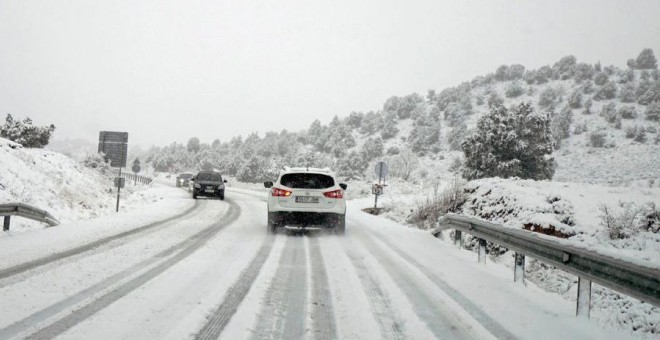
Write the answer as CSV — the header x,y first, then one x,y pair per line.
x,y
120,182
382,170
136,168
114,146
113,137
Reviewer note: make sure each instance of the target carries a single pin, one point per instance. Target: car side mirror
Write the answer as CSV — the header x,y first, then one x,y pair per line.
x,y
343,186
224,181
194,178
268,184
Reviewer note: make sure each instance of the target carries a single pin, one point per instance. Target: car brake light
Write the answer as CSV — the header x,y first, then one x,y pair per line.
x,y
334,194
277,192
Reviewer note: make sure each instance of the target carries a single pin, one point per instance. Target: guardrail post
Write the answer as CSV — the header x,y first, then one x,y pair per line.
x,y
519,269
482,251
458,238
584,298
5,225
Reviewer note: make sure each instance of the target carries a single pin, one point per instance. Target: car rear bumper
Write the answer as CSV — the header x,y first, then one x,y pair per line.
x,y
304,219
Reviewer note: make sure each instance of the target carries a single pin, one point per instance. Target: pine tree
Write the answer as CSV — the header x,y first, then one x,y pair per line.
x,y
646,60
25,133
510,142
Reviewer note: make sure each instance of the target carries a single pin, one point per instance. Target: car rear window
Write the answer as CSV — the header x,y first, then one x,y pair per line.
x,y
209,176
186,176
307,181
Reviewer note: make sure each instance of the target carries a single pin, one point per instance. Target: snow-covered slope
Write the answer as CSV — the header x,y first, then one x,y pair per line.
x,y
57,184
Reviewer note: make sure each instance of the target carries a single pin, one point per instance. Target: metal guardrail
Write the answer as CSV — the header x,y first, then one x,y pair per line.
x,y
134,177
631,279
25,210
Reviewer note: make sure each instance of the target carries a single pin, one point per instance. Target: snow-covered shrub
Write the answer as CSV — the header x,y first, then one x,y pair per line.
x,y
354,119
587,107
628,218
582,71
427,214
389,129
501,74
640,136
561,124
549,97
514,142
628,112
530,77
626,76
97,162
609,112
515,72
653,111
607,91
392,150
628,93
587,88
646,60
456,165
580,128
513,89
494,100
597,139
26,134
403,164
425,135
371,123
601,78
575,100
457,136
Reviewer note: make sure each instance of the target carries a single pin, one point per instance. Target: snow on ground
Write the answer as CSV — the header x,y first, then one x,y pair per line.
x,y
517,202
61,186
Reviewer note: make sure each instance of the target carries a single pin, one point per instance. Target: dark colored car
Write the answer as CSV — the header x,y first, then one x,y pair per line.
x,y
208,184
183,180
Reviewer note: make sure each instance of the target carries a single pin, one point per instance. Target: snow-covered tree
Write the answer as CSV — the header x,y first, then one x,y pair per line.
x,y
549,97
561,124
193,145
373,148
425,135
513,89
352,165
514,142
653,111
25,133
628,112
575,99
628,93
608,91
646,60
609,112
601,78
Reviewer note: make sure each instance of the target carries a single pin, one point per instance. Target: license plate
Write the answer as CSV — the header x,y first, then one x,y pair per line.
x,y
209,190
307,199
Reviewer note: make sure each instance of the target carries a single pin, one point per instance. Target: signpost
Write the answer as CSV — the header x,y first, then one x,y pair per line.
x,y
114,146
136,168
381,170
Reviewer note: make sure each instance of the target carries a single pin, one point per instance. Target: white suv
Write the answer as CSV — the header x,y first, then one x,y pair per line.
x,y
306,198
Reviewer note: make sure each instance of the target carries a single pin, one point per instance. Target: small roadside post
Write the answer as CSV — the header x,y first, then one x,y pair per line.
x,y
381,170
114,145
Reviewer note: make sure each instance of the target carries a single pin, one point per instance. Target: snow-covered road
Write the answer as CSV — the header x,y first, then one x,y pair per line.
x,y
212,271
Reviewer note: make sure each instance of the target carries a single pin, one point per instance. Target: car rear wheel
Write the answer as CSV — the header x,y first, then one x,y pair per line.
x,y
340,225
194,195
271,226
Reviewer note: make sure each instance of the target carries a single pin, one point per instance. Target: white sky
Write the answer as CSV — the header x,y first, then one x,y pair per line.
x,y
169,70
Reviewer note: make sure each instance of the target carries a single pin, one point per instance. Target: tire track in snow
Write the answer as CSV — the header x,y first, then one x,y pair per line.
x,y
323,319
489,323
283,311
167,259
431,310
381,306
235,294
51,260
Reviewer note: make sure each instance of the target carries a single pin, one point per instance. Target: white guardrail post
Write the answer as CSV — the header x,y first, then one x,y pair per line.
x,y
639,281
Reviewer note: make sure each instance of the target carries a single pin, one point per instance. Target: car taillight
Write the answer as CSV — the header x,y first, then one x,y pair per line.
x,y
277,192
334,194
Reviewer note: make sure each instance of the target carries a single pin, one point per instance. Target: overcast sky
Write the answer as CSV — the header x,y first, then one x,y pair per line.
x,y
169,70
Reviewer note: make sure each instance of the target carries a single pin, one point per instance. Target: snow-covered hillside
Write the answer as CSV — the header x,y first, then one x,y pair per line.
x,y
59,185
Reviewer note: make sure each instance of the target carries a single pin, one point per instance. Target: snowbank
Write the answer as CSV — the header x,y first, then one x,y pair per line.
x,y
59,185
